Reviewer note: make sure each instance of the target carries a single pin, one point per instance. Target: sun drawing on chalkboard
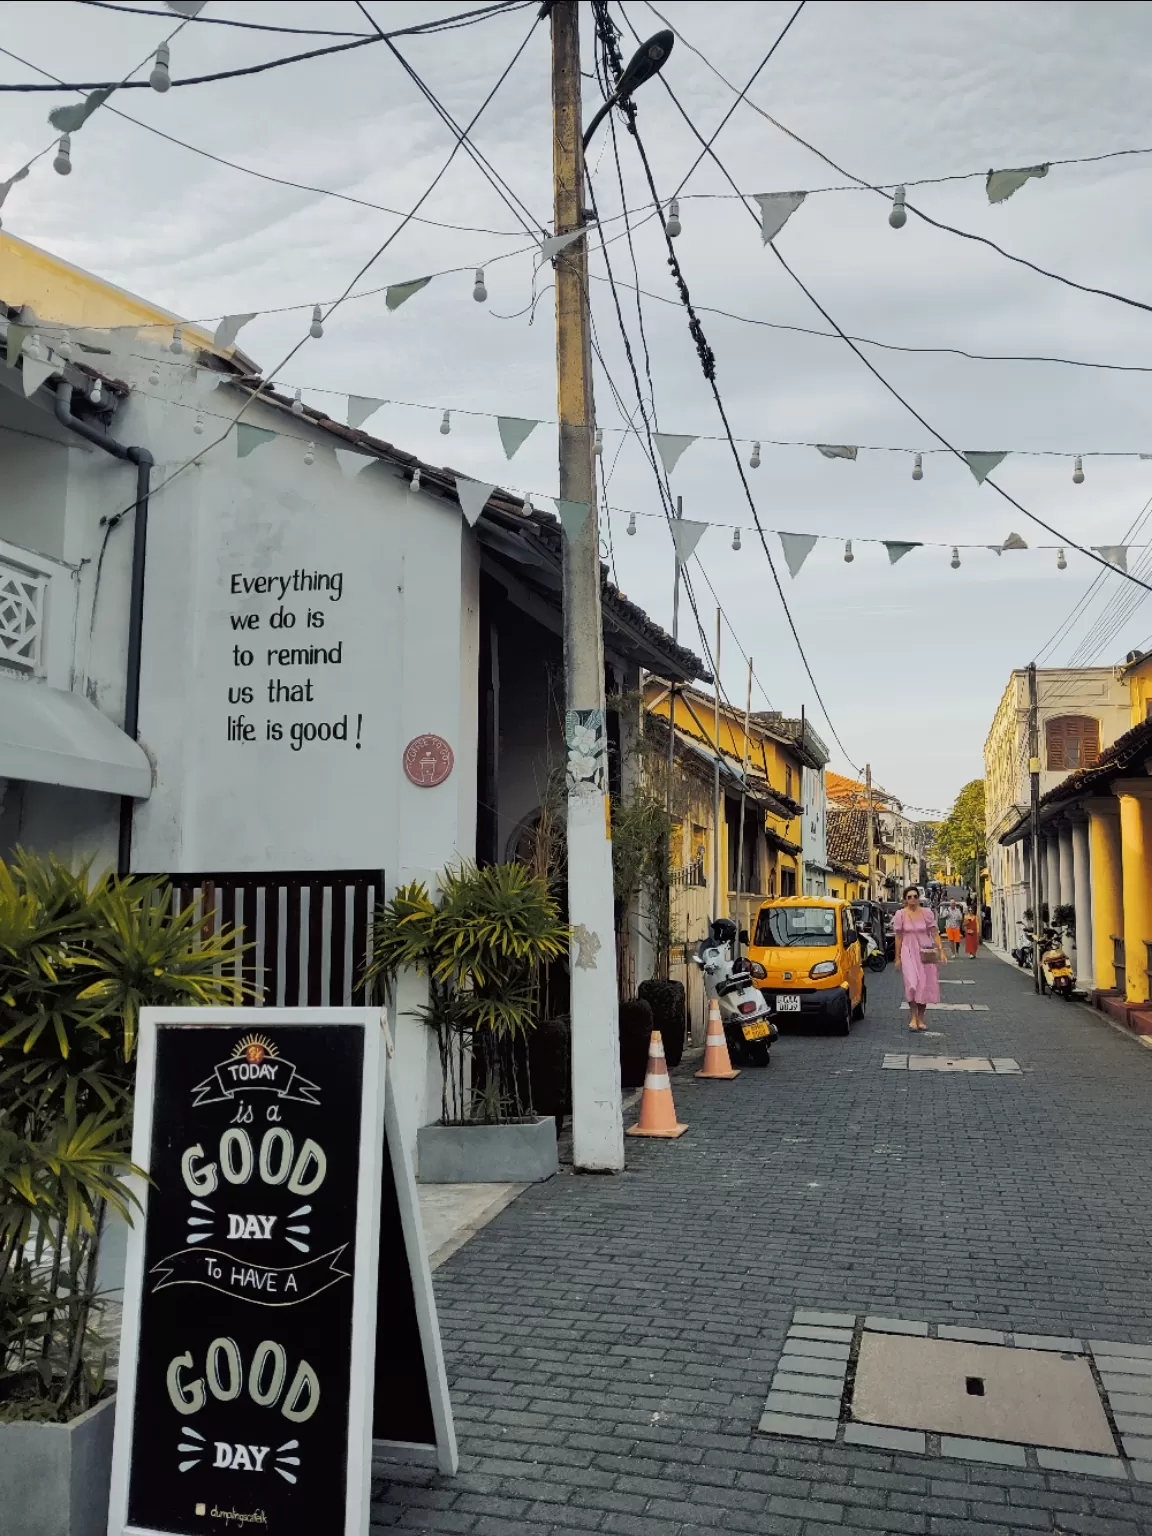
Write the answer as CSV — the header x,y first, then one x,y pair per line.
x,y
254,1048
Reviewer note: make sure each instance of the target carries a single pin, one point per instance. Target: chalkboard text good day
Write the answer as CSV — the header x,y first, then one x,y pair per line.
x,y
250,1301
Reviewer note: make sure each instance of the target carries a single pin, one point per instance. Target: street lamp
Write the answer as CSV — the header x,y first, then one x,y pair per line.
x,y
648,60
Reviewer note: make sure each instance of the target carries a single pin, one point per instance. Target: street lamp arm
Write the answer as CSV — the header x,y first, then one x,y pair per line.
x,y
648,60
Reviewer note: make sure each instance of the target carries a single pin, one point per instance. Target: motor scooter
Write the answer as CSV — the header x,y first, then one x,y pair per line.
x,y
874,957
749,1028
1023,952
1055,966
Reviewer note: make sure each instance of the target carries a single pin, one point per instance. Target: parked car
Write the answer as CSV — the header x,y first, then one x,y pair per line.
x,y
811,954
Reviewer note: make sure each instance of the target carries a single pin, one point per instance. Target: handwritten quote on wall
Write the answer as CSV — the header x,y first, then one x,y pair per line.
x,y
283,660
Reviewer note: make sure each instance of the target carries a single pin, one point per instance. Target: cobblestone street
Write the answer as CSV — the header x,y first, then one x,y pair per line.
x,y
611,1341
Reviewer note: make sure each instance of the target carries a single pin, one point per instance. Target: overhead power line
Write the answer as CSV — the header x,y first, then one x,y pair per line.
x,y
221,21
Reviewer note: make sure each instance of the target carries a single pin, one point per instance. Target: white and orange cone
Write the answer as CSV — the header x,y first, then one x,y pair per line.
x,y
657,1111
717,1062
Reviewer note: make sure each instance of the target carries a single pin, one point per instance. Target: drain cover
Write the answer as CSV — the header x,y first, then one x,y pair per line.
x,y
982,1391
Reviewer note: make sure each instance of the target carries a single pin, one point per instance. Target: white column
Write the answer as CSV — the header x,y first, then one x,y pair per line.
x,y
1082,868
1051,892
1067,883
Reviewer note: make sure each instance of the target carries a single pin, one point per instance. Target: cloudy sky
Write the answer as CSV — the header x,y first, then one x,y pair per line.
x,y
910,659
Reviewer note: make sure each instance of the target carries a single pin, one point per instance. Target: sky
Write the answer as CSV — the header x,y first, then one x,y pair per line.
x,y
910,659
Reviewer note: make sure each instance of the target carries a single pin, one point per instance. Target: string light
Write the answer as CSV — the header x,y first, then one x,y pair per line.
x,y
848,555
955,561
198,425
1061,560
414,483
598,442
310,454
154,376
631,529
898,216
297,404
918,468
160,80
754,461
316,329
672,224
97,394
529,509
65,349
1077,472
62,164
177,343
479,292
445,424
736,538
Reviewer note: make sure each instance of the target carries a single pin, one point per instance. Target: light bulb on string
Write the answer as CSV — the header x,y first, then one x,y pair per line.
x,y
1061,560
177,343
198,425
445,424
154,376
297,404
898,215
529,510
955,561
62,164
754,461
848,555
736,538
631,529
598,442
97,394
918,468
316,329
672,223
1077,472
414,483
160,80
310,454
65,349
479,292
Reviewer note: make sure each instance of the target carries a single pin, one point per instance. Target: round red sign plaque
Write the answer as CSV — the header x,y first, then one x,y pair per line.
x,y
428,761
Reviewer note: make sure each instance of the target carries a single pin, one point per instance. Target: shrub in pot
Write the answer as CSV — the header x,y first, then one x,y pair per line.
x,y
668,1010
636,1026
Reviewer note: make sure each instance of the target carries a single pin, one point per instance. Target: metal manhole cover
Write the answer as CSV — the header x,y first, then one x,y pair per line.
x,y
980,1390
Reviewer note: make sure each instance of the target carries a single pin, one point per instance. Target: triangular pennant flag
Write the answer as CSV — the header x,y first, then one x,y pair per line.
x,y
1115,554
670,446
573,515
207,379
776,208
982,464
797,547
837,450
995,548
897,549
35,372
249,437
1014,541
1001,184
229,328
187,8
398,293
685,536
514,430
557,243
473,496
70,119
6,186
16,338
360,407
351,463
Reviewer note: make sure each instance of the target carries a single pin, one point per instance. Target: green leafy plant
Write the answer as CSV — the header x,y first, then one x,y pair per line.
x,y
481,943
79,958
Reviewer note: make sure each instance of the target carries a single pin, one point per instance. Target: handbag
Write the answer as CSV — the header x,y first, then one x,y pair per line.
x,y
929,957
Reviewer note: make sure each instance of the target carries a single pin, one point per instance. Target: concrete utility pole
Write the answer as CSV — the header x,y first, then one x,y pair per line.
x,y
716,798
1034,777
871,834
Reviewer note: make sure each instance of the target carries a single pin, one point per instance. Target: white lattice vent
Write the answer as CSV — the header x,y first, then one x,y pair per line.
x,y
21,617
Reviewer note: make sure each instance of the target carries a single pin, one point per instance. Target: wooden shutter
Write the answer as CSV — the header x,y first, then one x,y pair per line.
x,y
1073,741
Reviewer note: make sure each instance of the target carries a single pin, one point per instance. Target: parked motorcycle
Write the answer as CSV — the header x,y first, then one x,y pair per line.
x,y
749,1028
1023,952
1055,966
874,957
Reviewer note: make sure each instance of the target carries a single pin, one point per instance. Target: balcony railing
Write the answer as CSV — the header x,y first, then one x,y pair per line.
x,y
690,874
21,617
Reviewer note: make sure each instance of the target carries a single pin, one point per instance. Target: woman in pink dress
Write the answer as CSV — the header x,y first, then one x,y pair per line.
x,y
919,954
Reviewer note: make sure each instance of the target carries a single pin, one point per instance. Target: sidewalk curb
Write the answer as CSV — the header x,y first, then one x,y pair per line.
x,y
1096,1013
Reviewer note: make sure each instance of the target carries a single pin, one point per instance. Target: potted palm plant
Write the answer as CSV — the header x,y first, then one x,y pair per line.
x,y
78,960
482,943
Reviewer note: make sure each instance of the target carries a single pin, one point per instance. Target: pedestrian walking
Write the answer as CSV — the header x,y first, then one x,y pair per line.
x,y
919,954
953,924
971,933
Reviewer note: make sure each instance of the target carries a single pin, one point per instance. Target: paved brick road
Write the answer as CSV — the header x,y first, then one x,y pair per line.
x,y
610,1340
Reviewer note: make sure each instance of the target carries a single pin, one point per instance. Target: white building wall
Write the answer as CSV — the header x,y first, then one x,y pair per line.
x,y
814,830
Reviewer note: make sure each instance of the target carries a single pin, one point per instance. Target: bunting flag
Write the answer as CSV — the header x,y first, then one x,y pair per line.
x,y
6,186
249,438
836,450
229,328
996,549
982,464
400,293
514,431
1014,541
71,119
776,208
557,243
360,407
207,379
188,8
1001,184
797,547
35,373
351,462
685,536
573,515
473,496
17,334
898,548
1115,554
670,447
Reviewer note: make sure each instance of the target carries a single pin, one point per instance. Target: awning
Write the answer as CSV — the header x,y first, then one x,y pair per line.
x,y
48,736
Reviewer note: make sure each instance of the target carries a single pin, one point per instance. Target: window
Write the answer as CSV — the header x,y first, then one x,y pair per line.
x,y
1072,741
788,781
783,927
849,927
787,882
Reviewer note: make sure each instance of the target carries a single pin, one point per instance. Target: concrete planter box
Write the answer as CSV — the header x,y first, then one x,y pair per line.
x,y
54,1478
487,1154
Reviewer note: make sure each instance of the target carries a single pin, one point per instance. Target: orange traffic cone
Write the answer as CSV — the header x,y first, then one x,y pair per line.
x,y
657,1111
717,1062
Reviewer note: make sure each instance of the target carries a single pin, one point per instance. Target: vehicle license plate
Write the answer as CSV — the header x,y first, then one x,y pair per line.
x,y
755,1031
788,1002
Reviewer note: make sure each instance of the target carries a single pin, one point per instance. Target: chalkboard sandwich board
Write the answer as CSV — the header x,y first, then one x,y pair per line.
x,y
245,1396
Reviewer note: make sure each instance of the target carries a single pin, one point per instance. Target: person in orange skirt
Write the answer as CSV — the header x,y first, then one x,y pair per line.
x,y
971,934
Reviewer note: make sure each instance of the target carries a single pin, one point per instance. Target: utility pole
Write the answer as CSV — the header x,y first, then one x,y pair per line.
x,y
1034,777
671,684
871,834
597,1117
743,798
716,777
